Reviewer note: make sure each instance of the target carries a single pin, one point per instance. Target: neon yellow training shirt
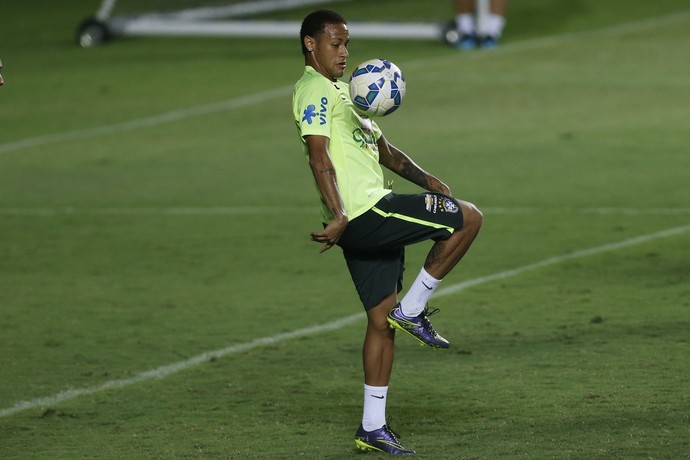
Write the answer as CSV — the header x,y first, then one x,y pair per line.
x,y
323,108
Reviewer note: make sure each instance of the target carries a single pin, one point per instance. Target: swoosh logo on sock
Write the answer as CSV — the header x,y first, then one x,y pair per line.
x,y
377,397
429,288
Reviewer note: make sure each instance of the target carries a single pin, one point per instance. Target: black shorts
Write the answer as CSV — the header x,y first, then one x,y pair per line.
x,y
374,243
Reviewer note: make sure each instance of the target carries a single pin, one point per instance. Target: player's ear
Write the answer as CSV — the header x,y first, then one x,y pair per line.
x,y
309,43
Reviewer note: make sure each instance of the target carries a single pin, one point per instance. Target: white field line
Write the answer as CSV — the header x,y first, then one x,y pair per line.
x,y
155,120
562,258
288,210
264,96
164,371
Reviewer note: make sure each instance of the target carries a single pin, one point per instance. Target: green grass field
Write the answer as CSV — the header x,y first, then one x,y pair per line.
x,y
160,297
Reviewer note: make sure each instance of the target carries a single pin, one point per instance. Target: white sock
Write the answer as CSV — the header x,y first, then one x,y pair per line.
x,y
374,416
494,26
418,295
465,23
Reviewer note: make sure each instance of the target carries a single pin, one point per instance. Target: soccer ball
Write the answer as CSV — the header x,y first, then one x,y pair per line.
x,y
377,87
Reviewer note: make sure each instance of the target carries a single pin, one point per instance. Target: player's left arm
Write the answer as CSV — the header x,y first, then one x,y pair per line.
x,y
401,164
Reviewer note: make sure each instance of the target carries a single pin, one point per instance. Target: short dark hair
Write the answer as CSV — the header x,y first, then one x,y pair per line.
x,y
314,24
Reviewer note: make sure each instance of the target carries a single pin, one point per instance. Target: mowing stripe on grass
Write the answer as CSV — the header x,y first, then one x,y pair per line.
x,y
558,259
168,117
264,96
164,371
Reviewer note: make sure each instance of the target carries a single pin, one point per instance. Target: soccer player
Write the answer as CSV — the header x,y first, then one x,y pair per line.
x,y
2,82
369,222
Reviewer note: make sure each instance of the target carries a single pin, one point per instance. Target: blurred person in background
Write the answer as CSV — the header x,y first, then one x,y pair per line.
x,y
1,80
473,33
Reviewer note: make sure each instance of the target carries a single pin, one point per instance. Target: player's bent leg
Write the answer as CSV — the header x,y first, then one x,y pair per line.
x,y
442,257
445,254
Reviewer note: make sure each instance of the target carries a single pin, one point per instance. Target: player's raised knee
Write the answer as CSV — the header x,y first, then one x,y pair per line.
x,y
471,215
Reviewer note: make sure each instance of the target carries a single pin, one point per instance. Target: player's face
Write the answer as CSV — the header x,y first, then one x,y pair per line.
x,y
329,55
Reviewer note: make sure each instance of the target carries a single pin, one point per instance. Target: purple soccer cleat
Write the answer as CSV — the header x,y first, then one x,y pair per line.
x,y
418,327
382,440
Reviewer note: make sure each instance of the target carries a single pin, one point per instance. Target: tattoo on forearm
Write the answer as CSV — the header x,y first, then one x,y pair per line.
x,y
413,173
330,171
405,167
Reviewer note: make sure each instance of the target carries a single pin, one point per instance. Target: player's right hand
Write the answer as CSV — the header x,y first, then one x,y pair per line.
x,y
330,235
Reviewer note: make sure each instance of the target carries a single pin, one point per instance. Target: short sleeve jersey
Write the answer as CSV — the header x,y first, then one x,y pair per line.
x,y
322,107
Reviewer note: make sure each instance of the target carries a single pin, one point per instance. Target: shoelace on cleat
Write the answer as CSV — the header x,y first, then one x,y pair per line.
x,y
392,434
425,318
387,428
430,311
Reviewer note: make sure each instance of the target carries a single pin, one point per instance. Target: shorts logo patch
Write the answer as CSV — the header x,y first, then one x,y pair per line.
x,y
450,206
435,203
430,202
